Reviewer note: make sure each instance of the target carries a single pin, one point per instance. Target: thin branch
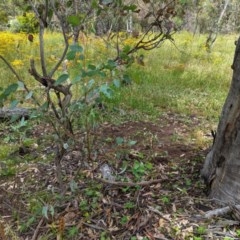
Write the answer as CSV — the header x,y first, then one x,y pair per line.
x,y
48,82
52,104
19,78
42,51
219,212
93,226
129,184
35,235
65,41
11,68
41,40
159,213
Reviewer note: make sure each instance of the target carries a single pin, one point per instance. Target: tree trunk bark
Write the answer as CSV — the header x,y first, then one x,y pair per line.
x,y
216,28
221,169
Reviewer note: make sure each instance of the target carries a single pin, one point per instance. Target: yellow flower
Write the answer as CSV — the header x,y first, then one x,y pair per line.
x,y
10,41
17,63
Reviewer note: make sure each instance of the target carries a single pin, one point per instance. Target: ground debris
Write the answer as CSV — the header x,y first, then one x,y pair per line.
x,y
156,192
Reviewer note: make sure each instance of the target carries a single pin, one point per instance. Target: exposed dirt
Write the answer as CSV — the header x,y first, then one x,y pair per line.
x,y
154,190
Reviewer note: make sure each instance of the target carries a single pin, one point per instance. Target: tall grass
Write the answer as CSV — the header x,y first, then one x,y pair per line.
x,y
181,77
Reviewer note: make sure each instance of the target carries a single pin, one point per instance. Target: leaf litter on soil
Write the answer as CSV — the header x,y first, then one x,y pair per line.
x,y
155,191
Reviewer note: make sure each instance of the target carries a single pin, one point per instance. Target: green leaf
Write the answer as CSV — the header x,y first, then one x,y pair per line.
x,y
106,2
106,90
76,79
74,20
51,210
119,140
71,55
92,73
111,64
45,211
29,95
116,83
61,79
131,143
76,48
65,146
20,84
14,118
92,67
9,90
126,79
23,122
102,74
14,103
90,84
84,73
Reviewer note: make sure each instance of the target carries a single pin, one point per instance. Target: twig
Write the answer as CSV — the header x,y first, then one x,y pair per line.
x,y
42,24
93,226
48,82
219,212
14,193
34,237
159,213
129,184
63,28
19,78
11,68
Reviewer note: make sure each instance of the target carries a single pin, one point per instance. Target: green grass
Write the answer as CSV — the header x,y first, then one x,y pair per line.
x,y
181,77
186,80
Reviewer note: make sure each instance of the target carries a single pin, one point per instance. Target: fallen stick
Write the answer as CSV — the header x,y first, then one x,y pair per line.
x,y
35,235
219,212
6,113
159,213
129,184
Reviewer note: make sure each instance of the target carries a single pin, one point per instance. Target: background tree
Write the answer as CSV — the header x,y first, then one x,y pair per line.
x,y
8,10
217,24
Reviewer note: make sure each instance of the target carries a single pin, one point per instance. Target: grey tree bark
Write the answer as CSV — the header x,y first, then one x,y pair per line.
x,y
221,169
216,27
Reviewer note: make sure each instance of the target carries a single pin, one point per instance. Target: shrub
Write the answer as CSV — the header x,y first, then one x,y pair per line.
x,y
24,23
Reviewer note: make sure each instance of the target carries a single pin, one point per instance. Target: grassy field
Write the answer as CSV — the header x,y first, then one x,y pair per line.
x,y
181,77
185,79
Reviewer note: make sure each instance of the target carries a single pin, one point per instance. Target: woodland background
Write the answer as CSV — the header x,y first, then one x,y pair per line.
x,y
112,133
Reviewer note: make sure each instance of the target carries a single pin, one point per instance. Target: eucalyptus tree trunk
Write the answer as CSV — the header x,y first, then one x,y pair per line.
x,y
221,169
217,27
